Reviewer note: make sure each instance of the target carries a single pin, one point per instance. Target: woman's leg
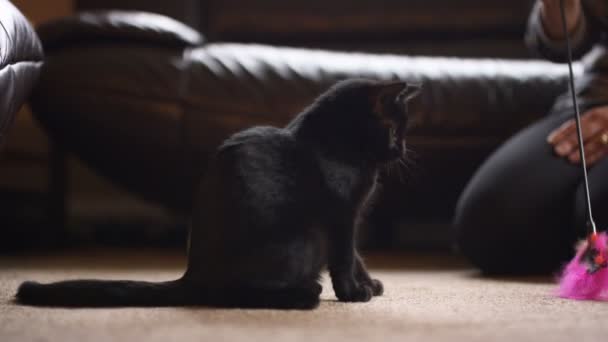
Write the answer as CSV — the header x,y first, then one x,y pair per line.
x,y
516,215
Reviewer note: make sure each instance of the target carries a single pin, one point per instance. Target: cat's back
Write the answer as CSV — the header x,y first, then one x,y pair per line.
x,y
266,152
258,136
261,146
266,176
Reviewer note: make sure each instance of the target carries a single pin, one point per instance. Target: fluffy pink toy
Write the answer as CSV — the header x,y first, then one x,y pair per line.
x,y
586,276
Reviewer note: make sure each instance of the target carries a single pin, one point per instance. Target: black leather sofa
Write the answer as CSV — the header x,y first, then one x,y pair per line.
x,y
144,100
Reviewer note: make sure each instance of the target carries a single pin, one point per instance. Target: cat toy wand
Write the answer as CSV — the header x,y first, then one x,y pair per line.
x,y
586,276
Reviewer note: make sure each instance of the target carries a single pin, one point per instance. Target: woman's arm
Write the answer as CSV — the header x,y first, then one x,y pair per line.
x,y
545,33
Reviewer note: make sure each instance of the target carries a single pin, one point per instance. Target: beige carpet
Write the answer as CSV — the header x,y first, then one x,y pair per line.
x,y
426,299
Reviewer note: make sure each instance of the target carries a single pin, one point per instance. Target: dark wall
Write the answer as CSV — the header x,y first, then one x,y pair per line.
x,y
474,28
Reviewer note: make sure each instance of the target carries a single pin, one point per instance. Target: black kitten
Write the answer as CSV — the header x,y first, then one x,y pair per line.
x,y
277,205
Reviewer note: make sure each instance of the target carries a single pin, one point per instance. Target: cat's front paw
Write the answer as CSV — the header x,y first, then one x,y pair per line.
x,y
377,287
351,291
374,284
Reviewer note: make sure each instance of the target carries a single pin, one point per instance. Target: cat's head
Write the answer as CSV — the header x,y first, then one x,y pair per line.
x,y
390,117
359,119
372,116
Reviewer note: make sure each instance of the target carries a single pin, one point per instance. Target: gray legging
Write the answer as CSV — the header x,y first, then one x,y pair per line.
x,y
523,210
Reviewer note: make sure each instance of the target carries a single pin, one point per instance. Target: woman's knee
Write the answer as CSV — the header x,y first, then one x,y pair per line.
x,y
486,235
514,215
499,242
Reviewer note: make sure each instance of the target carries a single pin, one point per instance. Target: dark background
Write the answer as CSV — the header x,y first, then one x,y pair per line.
x,y
491,28
98,212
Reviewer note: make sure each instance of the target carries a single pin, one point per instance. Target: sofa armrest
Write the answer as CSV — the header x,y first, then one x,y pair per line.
x,y
20,61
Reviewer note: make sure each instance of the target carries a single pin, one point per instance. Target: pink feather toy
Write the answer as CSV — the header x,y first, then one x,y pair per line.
x,y
586,276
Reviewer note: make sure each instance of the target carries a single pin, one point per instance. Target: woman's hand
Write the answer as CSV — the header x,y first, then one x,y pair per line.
x,y
550,14
594,124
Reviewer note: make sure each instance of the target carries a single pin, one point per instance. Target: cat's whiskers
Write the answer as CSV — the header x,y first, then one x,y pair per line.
x,y
393,170
403,167
405,163
402,170
399,171
388,170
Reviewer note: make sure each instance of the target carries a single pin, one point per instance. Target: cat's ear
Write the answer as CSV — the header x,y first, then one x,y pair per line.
x,y
389,91
410,91
396,91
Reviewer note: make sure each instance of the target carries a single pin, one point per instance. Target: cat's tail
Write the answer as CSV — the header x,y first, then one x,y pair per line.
x,y
128,293
105,293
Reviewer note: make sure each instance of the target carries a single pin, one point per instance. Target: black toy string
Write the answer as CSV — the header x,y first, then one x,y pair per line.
x,y
578,120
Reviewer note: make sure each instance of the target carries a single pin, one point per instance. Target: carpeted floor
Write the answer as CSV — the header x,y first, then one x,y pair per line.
x,y
427,299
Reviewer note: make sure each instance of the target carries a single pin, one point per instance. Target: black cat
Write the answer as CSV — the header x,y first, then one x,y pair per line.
x,y
276,206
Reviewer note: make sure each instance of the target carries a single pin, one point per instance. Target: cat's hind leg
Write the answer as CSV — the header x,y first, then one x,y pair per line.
x,y
280,274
